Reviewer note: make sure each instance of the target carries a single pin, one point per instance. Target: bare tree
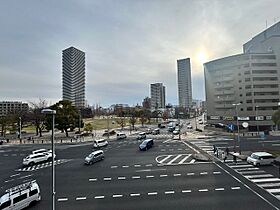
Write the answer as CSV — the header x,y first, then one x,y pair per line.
x,y
37,117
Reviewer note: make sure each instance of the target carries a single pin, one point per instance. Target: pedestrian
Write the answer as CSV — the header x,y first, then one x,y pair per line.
x,y
227,151
214,149
217,152
234,159
223,155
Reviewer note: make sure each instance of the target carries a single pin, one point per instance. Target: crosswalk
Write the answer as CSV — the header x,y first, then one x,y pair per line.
x,y
260,177
177,159
42,165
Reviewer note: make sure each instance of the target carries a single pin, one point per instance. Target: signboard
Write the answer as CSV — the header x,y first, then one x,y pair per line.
x,y
214,117
243,118
259,118
268,117
228,118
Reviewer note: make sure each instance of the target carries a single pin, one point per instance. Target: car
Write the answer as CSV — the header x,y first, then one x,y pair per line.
x,y
260,158
121,136
21,196
141,135
200,122
146,144
36,158
156,131
176,131
100,143
45,151
94,157
189,127
149,131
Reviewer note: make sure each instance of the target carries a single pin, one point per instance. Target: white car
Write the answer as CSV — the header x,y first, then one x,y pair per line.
x,y
100,143
30,160
189,127
45,151
260,158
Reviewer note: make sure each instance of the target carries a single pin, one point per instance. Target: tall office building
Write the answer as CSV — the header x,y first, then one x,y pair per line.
x,y
73,76
184,83
157,96
250,79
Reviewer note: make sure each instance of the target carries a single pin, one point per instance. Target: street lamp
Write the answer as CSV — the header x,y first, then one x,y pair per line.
x,y
237,123
19,136
257,118
52,112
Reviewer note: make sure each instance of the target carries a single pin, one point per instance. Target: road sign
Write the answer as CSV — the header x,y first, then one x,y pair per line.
x,y
245,124
231,127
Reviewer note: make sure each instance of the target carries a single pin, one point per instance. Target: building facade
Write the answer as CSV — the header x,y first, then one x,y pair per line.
x,y
184,83
157,96
12,107
146,104
73,76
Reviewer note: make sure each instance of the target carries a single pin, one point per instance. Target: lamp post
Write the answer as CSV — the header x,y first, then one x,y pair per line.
x,y
79,121
19,136
52,112
237,123
257,118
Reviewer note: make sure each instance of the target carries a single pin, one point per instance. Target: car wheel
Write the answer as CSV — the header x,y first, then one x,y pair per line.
x,y
49,159
257,164
90,163
31,164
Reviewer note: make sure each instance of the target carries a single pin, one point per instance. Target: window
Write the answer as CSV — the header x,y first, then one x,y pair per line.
x,y
239,74
247,79
5,204
248,87
240,95
264,71
248,94
265,78
265,93
263,64
249,108
239,81
33,192
246,72
265,86
20,198
240,88
263,57
249,101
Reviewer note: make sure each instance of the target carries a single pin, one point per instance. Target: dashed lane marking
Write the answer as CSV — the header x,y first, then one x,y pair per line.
x,y
203,190
62,199
117,196
186,191
135,177
163,175
99,197
235,188
134,194
169,192
220,189
121,177
81,198
151,176
92,180
152,193
107,178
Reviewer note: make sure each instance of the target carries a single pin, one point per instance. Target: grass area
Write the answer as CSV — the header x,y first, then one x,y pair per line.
x,y
29,129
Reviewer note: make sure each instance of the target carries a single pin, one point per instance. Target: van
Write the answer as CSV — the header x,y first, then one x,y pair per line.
x,y
146,144
260,158
94,157
100,143
121,136
141,135
21,196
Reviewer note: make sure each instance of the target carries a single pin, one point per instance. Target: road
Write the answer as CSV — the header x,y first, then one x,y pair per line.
x,y
163,177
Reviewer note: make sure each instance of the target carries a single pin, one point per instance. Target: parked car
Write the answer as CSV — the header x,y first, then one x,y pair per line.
x,y
156,131
189,127
100,143
121,136
260,158
149,131
21,196
141,135
37,158
94,157
146,144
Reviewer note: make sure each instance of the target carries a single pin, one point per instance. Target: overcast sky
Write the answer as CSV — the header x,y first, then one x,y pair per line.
x,y
128,43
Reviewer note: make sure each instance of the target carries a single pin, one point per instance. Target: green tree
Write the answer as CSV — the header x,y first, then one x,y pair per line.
x,y
88,127
276,118
121,122
67,117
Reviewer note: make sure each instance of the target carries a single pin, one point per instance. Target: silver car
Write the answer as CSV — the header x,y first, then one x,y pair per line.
x,y
94,157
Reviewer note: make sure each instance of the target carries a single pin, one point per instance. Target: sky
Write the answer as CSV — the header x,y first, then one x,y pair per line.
x,y
129,44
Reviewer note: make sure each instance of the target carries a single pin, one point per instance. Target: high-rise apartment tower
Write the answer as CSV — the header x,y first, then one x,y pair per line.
x,y
73,76
157,96
184,83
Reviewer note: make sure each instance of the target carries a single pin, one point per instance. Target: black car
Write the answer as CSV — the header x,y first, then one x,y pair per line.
x,y
147,144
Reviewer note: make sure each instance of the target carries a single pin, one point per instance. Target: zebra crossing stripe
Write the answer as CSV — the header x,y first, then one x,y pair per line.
x,y
265,180
259,176
164,159
270,185
174,159
185,158
273,190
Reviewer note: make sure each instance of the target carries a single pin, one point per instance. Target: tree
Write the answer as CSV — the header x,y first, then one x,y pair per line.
x,y
132,121
88,127
37,117
67,117
121,122
276,118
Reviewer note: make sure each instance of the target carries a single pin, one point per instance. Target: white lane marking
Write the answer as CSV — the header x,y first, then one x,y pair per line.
x,y
186,191
152,193
148,165
137,165
241,166
259,176
114,166
62,199
121,177
99,197
174,159
107,178
192,161
163,175
251,172
270,185
203,173
184,159
169,192
117,196
273,190
81,198
92,180
23,177
247,169
190,174
220,189
9,180
203,190
265,180
176,174
125,166
15,175
246,186
235,188
135,177
216,172
150,176
164,159
134,194
148,170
